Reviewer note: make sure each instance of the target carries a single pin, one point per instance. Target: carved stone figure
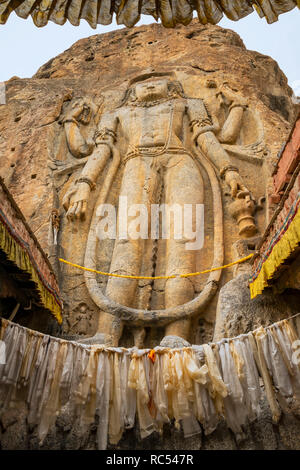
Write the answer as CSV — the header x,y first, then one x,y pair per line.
x,y
82,319
78,118
44,153
167,135
80,113
55,224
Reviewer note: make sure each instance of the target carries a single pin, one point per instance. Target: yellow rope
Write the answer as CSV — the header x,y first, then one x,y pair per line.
x,y
127,276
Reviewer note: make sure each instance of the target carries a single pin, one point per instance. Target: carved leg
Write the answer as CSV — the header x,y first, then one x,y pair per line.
x,y
109,329
138,185
139,336
184,185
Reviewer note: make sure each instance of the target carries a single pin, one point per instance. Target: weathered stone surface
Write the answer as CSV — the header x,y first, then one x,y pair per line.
x,y
14,430
174,342
237,313
47,133
42,153
262,434
289,432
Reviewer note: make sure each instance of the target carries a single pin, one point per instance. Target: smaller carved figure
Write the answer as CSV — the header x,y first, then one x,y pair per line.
x,y
79,113
55,223
83,316
227,110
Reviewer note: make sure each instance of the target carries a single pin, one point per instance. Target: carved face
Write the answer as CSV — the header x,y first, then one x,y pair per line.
x,y
82,109
211,84
150,90
85,114
83,308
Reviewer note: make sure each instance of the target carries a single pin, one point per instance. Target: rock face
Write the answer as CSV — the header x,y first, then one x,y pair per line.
x,y
229,103
48,130
262,434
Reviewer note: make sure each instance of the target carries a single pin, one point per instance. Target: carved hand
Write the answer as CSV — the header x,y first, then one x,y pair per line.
x,y
235,182
75,201
233,98
75,111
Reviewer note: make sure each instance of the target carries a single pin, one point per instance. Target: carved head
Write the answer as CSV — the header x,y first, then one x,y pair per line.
x,y
86,110
153,88
211,84
55,216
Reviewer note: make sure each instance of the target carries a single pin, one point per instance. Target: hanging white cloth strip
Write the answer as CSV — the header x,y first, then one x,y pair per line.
x,y
118,388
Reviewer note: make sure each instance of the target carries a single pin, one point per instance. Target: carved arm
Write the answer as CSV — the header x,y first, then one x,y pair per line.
x,y
233,124
75,201
203,130
78,146
212,148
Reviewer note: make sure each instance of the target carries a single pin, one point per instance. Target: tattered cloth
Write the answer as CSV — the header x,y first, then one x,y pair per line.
x,y
282,241
128,12
114,387
20,246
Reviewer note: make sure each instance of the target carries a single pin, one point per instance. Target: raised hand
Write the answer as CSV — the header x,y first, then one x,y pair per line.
x,y
236,184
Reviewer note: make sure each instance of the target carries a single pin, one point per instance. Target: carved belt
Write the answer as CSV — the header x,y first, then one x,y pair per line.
x,y
153,152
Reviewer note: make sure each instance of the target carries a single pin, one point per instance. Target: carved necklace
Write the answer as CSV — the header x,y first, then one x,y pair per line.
x,y
152,152
148,104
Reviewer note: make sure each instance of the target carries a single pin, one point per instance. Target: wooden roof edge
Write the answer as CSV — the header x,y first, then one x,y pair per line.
x,y
29,230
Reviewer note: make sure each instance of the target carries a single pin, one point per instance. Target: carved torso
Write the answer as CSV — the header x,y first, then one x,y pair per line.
x,y
153,126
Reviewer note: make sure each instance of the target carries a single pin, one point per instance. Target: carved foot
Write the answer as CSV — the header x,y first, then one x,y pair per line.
x,y
174,342
98,338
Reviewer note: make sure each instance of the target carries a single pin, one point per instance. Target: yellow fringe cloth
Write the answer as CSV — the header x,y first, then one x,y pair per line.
x,y
20,257
280,252
127,276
